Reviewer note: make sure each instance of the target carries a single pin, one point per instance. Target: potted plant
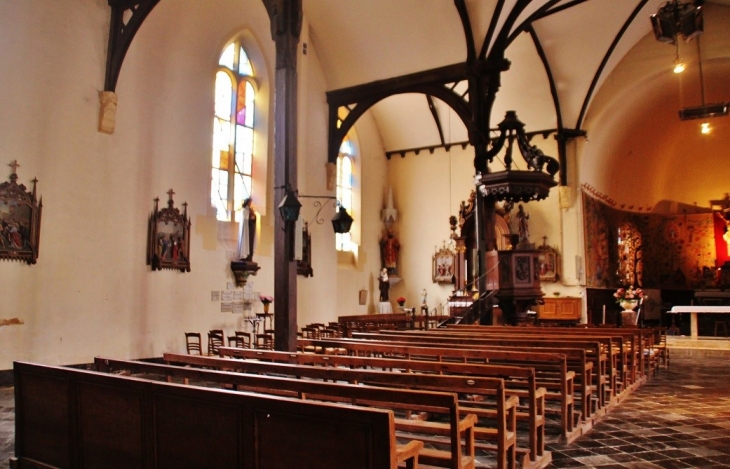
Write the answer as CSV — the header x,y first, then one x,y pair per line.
x,y
629,299
401,301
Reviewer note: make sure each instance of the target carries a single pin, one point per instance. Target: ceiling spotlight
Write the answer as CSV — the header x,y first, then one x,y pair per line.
x,y
678,67
675,18
705,128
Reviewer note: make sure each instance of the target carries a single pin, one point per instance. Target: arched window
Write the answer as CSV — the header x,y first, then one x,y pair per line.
x,y
233,133
344,190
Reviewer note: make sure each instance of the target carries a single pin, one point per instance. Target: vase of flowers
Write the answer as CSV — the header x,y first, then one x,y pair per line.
x,y
628,298
266,300
401,301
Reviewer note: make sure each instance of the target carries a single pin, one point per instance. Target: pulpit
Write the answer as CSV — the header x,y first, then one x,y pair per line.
x,y
519,284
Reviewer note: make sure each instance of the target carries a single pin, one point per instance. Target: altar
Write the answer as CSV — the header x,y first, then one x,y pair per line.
x,y
694,311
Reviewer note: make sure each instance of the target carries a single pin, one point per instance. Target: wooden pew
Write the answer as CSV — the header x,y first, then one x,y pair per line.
x,y
583,357
618,371
560,389
75,418
445,403
522,380
504,433
605,377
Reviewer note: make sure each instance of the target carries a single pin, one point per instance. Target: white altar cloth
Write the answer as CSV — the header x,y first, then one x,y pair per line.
x,y
694,310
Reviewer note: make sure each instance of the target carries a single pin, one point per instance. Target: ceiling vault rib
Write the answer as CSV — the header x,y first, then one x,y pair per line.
x,y
492,27
562,156
501,42
121,34
562,7
468,33
435,114
525,25
604,62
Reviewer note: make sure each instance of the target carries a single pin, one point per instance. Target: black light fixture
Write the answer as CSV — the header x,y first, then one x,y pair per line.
x,y
342,221
290,206
675,18
289,209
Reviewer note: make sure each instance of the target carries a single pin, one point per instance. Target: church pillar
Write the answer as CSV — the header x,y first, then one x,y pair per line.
x,y
286,24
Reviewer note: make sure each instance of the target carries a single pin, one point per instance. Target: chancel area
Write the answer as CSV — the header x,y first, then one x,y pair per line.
x,y
331,233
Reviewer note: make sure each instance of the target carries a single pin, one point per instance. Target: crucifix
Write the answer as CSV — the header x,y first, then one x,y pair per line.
x,y
170,193
15,165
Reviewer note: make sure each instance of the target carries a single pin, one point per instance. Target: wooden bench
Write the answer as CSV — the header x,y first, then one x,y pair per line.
x,y
578,356
606,377
560,389
503,433
519,381
446,404
75,418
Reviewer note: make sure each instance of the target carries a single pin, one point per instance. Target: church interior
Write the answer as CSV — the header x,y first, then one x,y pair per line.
x,y
152,151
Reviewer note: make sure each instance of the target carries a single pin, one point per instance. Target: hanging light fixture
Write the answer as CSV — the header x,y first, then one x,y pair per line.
x,y
678,64
342,221
705,110
289,206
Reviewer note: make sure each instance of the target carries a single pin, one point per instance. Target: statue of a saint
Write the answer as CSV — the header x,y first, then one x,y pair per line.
x,y
389,248
247,232
383,284
523,229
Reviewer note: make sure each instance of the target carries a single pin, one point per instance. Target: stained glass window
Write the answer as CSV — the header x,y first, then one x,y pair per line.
x,y
233,133
344,190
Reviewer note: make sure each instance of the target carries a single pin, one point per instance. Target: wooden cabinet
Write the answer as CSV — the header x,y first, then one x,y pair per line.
x,y
560,309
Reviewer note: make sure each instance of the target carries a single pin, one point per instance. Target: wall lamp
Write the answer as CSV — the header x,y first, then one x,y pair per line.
x,y
290,207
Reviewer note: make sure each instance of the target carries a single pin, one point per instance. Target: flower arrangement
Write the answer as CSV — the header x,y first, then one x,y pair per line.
x,y
400,300
266,299
628,294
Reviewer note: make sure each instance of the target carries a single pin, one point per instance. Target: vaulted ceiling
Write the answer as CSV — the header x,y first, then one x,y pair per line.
x,y
589,65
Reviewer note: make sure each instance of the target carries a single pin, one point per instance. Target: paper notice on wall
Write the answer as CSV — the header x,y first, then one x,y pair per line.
x,y
237,295
230,286
215,296
226,307
227,295
238,307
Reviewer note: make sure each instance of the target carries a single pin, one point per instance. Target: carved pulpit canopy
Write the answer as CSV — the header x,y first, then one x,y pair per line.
x,y
20,220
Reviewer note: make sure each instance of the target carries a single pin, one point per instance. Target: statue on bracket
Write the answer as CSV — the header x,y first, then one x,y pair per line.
x,y
168,241
20,220
245,266
389,249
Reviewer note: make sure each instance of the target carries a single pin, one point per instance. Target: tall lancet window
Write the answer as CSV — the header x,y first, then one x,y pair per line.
x,y
233,133
344,190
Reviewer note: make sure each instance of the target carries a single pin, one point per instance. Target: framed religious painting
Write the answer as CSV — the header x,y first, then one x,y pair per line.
x,y
548,264
20,220
443,266
168,241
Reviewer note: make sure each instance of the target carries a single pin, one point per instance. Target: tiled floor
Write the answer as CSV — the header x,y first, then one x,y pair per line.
x,y
679,419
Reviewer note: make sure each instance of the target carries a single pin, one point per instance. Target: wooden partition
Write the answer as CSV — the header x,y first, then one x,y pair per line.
x,y
74,418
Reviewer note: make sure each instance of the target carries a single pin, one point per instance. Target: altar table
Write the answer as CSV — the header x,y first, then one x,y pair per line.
x,y
694,310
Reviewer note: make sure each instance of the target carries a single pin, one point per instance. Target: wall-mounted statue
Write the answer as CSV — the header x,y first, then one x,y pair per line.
x,y
389,249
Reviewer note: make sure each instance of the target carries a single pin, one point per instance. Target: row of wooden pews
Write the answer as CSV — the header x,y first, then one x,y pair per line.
x,y
402,398
68,417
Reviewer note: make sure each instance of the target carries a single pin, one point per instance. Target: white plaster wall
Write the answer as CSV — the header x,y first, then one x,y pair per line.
x,y
91,292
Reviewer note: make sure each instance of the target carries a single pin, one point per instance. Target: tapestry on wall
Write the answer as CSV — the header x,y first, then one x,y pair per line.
x,y
645,249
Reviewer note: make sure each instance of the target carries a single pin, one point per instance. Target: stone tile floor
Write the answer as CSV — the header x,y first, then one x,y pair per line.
x,y
678,419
